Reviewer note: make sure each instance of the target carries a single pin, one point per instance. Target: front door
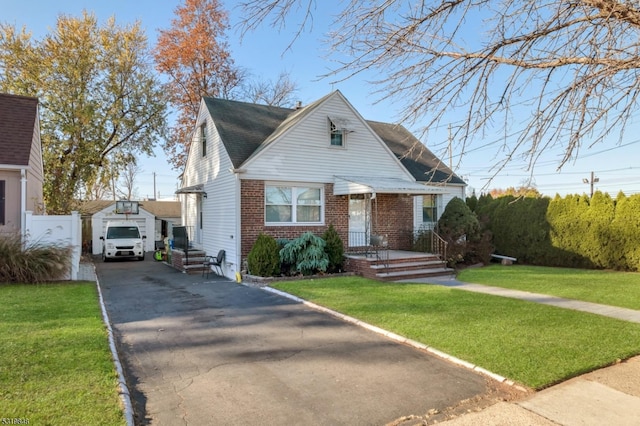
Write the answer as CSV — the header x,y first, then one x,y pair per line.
x,y
359,220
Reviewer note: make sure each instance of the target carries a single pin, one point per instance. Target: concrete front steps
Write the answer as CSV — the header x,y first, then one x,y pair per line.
x,y
395,265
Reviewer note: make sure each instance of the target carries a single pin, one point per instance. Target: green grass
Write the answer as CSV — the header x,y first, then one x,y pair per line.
x,y
532,344
607,287
55,365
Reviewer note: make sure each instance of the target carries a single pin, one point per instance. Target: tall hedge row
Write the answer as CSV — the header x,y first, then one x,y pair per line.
x,y
574,231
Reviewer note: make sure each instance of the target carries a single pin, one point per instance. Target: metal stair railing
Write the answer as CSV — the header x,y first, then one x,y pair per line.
x,y
439,245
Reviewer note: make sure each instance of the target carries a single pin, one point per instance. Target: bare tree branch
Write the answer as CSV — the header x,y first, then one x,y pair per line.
x,y
545,75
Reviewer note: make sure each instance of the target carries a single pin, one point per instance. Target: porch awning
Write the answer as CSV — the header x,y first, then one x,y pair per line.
x,y
345,185
195,189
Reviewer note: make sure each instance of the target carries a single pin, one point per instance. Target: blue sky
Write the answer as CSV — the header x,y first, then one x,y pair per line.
x,y
263,54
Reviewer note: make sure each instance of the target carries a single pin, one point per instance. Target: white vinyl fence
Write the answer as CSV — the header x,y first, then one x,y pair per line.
x,y
63,230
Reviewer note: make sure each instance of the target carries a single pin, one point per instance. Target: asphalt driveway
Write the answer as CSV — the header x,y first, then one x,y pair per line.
x,y
212,352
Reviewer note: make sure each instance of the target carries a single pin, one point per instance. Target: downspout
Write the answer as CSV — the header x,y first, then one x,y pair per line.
x,y
23,203
238,230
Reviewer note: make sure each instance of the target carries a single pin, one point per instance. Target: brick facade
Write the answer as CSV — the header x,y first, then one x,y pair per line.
x,y
391,215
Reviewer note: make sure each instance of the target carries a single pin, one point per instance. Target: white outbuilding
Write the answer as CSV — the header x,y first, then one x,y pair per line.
x,y
154,218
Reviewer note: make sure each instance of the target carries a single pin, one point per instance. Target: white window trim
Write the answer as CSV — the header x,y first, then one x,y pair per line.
x,y
202,136
340,125
297,185
437,203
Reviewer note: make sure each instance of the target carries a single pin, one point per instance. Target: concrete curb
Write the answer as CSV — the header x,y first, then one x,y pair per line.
x,y
397,338
125,396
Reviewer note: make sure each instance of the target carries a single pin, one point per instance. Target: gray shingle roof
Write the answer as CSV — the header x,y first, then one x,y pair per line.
x,y
17,120
242,126
246,128
414,156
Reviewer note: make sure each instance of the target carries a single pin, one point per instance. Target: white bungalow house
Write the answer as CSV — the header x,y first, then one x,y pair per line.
x,y
255,169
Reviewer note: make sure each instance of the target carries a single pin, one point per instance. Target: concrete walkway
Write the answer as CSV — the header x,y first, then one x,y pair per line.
x,y
607,396
624,314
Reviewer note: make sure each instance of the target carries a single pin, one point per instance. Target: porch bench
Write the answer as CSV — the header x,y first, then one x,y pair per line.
x,y
505,260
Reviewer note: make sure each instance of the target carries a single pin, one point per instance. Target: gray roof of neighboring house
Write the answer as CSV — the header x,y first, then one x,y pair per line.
x,y
18,116
245,129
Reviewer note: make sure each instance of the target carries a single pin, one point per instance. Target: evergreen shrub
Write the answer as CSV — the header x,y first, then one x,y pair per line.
x,y
460,228
572,231
263,259
306,253
334,249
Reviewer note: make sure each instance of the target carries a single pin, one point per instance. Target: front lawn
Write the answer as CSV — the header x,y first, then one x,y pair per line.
x,y
532,344
56,367
606,287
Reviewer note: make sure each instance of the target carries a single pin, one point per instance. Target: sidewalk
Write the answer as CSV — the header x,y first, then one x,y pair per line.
x,y
87,272
610,395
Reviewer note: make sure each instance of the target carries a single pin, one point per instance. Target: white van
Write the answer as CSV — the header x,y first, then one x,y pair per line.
x,y
122,239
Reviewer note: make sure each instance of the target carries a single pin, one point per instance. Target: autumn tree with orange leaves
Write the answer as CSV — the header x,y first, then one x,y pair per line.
x,y
195,57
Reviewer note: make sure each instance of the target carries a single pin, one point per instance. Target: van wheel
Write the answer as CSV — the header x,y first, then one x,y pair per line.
x,y
141,257
104,257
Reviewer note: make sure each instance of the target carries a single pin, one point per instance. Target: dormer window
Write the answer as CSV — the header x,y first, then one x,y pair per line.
x,y
203,138
337,131
337,135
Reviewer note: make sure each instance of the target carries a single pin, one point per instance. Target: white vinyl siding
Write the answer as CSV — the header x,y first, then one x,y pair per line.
x,y
441,204
220,216
304,154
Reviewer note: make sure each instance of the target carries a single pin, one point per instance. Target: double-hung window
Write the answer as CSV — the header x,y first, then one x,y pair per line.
x,y
336,134
293,204
203,138
429,208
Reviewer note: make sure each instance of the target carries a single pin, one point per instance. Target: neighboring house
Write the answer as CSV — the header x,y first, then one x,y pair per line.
x,y
154,218
255,169
21,169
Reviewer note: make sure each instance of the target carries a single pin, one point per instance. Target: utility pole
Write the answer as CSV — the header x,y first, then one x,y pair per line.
x,y
154,186
450,149
591,181
113,186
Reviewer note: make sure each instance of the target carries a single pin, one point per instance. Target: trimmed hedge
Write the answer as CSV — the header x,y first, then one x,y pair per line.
x,y
574,231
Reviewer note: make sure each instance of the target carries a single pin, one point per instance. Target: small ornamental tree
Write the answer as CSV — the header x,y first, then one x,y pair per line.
x,y
307,253
263,259
334,249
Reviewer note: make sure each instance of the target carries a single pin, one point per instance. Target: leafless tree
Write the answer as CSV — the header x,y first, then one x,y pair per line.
x,y
276,93
544,76
99,189
127,183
